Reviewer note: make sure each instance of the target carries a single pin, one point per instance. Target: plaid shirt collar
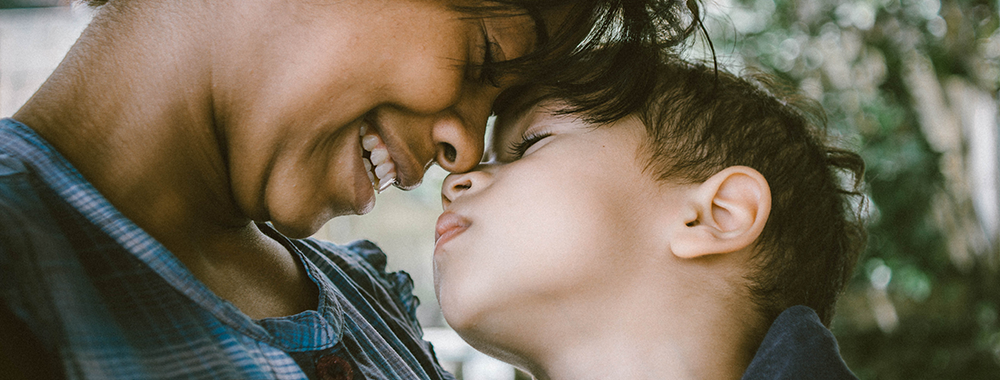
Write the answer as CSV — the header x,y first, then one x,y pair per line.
x,y
306,331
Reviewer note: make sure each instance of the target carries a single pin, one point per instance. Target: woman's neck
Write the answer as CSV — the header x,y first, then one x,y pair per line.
x,y
131,108
129,112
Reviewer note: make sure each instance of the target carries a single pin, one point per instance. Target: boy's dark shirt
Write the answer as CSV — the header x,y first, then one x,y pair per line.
x,y
798,346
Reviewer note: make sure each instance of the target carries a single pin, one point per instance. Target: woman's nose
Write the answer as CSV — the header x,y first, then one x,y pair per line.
x,y
459,132
457,185
459,144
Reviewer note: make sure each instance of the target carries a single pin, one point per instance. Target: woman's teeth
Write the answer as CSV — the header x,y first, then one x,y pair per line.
x,y
381,169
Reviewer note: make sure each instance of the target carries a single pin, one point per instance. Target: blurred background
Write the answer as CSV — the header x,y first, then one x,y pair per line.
x,y
912,84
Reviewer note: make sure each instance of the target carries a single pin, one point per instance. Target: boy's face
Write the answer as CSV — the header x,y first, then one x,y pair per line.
x,y
558,228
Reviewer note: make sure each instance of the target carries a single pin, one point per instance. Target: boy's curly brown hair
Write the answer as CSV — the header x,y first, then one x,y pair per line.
x,y
701,120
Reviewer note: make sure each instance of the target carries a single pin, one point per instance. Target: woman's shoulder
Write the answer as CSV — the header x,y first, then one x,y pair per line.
x,y
364,265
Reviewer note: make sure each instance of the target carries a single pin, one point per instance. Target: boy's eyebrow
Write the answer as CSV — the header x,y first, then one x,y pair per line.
x,y
518,99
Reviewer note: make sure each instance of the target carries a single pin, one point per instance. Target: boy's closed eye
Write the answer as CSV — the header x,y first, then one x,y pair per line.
x,y
518,148
520,134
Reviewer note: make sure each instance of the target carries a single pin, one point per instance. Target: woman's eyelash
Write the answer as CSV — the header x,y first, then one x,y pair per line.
x,y
487,70
518,148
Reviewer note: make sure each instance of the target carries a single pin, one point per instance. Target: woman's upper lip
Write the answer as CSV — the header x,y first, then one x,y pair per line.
x,y
449,224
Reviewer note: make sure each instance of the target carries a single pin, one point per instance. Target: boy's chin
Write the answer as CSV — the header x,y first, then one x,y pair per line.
x,y
478,324
461,315
496,342
476,334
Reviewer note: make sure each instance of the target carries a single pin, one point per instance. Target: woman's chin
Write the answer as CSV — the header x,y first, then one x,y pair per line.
x,y
297,230
303,225
301,221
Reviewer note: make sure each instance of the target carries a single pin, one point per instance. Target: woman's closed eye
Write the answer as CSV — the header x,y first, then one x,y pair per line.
x,y
492,53
518,149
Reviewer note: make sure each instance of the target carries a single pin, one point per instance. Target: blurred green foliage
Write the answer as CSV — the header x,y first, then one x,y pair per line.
x,y
918,307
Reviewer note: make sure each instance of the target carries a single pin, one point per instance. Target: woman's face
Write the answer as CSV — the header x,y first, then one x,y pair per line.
x,y
295,89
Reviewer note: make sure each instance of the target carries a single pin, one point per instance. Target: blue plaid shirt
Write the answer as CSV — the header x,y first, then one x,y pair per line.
x,y
106,300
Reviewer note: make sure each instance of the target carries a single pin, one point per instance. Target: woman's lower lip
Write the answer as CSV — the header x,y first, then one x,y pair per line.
x,y
364,191
404,179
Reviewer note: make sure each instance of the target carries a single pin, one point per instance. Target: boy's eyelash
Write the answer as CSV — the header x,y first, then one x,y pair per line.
x,y
517,148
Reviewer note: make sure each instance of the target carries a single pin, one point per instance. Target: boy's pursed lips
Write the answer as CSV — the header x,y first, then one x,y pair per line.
x,y
449,225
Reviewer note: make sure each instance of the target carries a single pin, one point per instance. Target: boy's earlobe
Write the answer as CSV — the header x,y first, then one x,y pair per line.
x,y
726,214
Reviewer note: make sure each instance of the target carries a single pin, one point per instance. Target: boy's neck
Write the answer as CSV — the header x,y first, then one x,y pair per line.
x,y
688,337
648,356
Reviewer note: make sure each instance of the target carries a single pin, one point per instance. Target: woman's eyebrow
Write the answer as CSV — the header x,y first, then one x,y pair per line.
x,y
541,30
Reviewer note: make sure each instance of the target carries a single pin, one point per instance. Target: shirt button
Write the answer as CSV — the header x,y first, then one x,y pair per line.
x,y
332,367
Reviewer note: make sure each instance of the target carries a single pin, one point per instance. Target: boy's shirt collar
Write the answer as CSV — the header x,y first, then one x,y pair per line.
x,y
798,346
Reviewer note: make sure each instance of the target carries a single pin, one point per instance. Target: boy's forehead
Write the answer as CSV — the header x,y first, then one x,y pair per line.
x,y
511,124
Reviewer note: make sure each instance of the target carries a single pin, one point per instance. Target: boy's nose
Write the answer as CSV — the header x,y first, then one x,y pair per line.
x,y
457,185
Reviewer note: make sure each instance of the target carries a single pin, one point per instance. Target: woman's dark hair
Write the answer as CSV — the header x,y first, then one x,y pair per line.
x,y
600,58
701,121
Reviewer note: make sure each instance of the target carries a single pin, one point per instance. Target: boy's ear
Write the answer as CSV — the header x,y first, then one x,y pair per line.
x,y
724,214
